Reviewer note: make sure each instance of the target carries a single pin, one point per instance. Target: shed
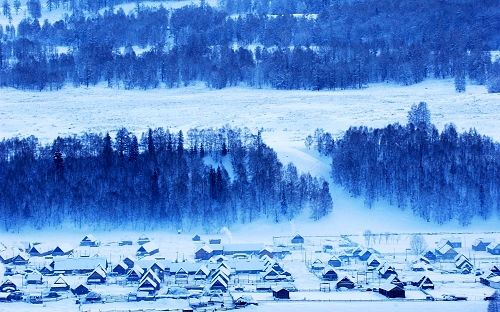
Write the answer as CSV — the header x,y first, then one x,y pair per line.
x,y
147,249
280,293
80,290
298,239
329,274
196,238
345,282
89,241
392,291
61,251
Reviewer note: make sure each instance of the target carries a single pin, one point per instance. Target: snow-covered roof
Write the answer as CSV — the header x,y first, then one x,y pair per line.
x,y
79,264
243,247
60,282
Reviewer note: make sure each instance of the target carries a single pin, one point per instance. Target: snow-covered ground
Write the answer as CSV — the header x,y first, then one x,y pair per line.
x,y
287,117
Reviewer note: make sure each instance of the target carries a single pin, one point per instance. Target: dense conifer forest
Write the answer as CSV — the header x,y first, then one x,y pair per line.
x,y
283,44
440,176
207,179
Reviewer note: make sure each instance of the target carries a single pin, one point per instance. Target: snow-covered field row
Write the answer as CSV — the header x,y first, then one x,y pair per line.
x,y
287,117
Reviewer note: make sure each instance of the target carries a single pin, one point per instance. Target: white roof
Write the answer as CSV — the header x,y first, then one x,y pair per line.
x,y
77,264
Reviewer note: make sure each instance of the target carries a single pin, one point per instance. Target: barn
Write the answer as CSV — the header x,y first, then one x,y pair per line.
x,y
280,293
386,270
392,291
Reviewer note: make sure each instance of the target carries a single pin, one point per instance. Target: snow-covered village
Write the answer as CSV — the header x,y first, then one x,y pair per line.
x,y
178,272
262,155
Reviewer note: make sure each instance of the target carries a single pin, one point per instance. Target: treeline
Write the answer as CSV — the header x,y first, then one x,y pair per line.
x,y
336,45
209,178
440,176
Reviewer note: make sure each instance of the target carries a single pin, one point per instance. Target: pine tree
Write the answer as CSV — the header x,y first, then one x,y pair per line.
x,y
59,165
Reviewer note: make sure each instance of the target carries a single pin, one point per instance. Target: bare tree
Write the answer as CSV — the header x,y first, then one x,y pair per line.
x,y
417,244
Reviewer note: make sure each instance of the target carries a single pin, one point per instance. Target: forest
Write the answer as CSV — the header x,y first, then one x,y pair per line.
x,y
282,44
206,179
440,176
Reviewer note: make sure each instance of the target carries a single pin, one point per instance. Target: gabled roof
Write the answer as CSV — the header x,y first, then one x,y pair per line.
x,y
389,286
205,248
219,280
203,270
148,247
328,270
99,271
89,238
148,282
152,275
136,271
60,282
494,245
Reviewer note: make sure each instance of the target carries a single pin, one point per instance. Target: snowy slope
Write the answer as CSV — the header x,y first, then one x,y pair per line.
x,y
287,117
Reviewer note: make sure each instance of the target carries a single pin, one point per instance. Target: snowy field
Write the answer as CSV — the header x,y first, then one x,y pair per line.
x,y
287,117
